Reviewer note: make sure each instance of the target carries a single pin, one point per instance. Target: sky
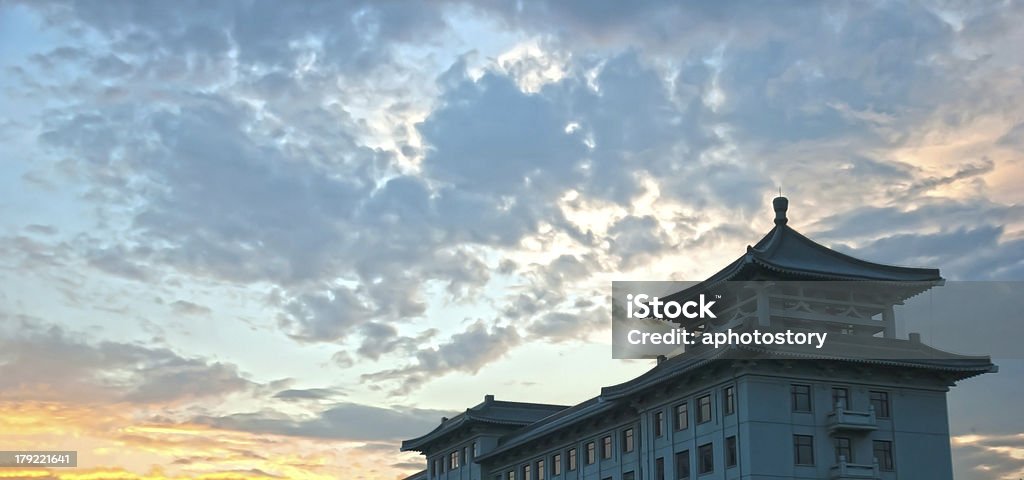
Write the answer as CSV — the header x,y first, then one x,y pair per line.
x,y
261,239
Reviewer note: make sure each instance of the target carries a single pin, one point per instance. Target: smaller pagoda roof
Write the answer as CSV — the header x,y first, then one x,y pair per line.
x,y
488,412
553,423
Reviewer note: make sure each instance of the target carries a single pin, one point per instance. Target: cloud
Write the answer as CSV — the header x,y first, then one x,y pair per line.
x,y
467,351
964,254
343,421
990,456
51,364
576,324
308,394
185,307
634,239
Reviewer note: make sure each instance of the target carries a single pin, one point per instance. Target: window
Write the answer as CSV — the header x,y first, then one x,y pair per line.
x,y
801,398
659,468
705,459
627,440
803,449
704,409
476,449
843,449
883,453
729,400
465,455
840,397
880,400
606,447
730,451
433,467
590,453
453,460
683,465
572,459
629,476
556,464
541,473
659,423
511,475
527,472
682,416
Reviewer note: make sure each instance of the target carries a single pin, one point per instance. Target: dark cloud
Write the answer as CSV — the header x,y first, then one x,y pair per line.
x,y
41,229
467,351
578,323
963,254
327,316
185,307
383,339
971,170
343,421
637,239
873,222
989,456
294,394
349,35
119,262
51,364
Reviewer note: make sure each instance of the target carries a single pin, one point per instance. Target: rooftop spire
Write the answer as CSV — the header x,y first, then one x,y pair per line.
x,y
781,204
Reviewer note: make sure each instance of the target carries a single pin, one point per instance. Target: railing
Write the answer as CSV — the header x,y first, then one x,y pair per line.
x,y
843,419
853,471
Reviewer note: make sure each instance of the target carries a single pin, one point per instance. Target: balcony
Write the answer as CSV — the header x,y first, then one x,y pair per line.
x,y
853,471
842,419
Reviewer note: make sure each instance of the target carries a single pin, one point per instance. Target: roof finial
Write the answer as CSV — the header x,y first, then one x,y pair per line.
x,y
781,204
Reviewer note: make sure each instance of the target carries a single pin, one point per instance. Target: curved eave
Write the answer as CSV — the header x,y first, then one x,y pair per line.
x,y
760,256
823,275
553,423
417,444
966,366
764,251
666,370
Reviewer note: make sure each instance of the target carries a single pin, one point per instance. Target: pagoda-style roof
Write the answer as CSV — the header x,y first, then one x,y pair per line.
x,y
786,252
586,410
489,412
787,255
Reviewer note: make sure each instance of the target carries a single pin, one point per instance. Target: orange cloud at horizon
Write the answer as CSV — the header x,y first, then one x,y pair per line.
x,y
130,443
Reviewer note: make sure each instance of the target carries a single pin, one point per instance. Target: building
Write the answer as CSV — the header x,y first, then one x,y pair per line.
x,y
867,406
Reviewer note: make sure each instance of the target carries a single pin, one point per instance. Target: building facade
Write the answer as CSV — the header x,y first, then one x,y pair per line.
x,y
868,406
